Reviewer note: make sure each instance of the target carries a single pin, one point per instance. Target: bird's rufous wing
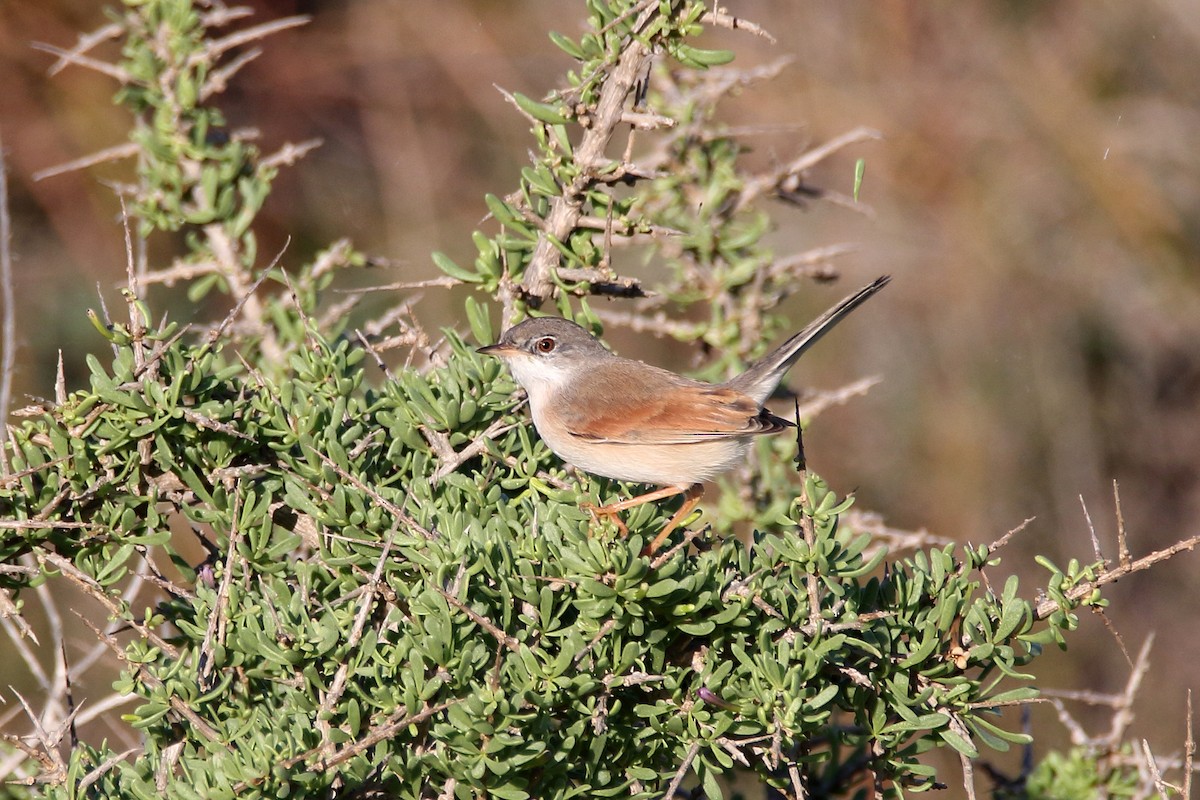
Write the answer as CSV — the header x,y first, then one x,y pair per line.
x,y
662,408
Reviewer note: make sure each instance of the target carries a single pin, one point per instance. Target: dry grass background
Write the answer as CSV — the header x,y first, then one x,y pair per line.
x,y
1036,196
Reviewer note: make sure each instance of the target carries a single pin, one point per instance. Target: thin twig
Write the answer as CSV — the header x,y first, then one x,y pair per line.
x,y
1159,785
566,209
150,679
92,588
1048,606
1123,557
498,427
388,505
813,406
214,634
1092,531
1122,716
8,333
500,636
86,42
692,752
218,46
79,59
1189,751
723,19
127,150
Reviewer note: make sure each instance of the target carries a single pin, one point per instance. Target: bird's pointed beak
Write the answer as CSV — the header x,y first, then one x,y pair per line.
x,y
499,349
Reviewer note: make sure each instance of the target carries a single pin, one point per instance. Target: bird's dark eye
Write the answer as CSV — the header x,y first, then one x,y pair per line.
x,y
545,344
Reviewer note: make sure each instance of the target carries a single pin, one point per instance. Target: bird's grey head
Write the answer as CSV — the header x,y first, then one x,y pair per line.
x,y
547,339
545,351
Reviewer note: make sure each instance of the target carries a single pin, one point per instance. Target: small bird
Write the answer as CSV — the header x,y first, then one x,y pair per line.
x,y
634,422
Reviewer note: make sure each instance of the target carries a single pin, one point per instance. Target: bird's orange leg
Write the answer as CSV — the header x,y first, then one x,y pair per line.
x,y
690,498
612,510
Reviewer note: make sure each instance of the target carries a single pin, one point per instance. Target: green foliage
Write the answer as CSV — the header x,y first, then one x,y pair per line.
x,y
192,171
501,643
401,589
1076,775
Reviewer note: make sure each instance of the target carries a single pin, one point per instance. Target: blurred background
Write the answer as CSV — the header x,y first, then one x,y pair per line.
x,y
1036,195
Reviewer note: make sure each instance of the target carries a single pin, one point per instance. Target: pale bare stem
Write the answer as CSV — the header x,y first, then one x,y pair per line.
x,y
218,80
379,362
1003,540
1083,696
57,705
395,315
721,18
683,544
476,447
60,381
98,773
798,782
334,314
8,308
245,299
183,709
821,401
127,150
511,100
1123,713
629,13
214,634
883,535
289,154
182,271
54,770
785,178
813,264
1189,751
659,324
566,209
448,790
445,282
133,292
387,505
604,284
369,595
72,57
410,335
335,256
217,47
44,525
95,709
97,592
15,627
305,321
1123,556
673,787
607,225
1159,785
223,15
968,770
86,42
438,442
645,121
810,539
398,721
1092,531
490,627
226,253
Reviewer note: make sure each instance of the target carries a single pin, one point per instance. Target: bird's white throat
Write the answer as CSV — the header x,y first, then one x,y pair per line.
x,y
540,377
